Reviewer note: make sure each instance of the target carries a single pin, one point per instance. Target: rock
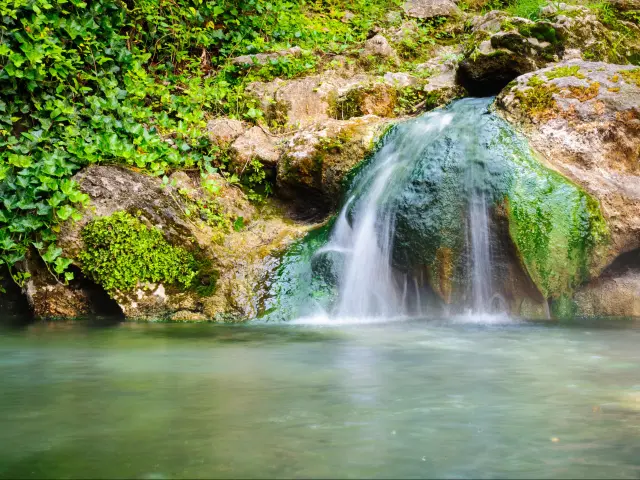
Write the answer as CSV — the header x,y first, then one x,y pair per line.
x,y
490,22
610,296
625,5
264,58
347,17
188,316
400,79
241,255
254,144
584,118
430,8
372,98
301,102
316,160
442,81
222,131
340,94
487,73
378,46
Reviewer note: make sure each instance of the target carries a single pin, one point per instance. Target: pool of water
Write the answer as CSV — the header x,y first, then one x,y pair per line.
x,y
421,398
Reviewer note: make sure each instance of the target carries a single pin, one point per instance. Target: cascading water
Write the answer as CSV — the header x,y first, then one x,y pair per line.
x,y
454,214
366,277
367,281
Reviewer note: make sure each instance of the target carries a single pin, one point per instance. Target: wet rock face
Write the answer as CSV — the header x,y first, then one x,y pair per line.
x,y
584,118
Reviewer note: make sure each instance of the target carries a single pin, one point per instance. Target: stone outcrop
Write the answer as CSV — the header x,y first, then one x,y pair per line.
x,y
503,47
301,102
235,260
316,159
430,8
254,144
378,46
222,131
611,296
584,118
264,58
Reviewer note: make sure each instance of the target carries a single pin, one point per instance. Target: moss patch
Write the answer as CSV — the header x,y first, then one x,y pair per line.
x,y
556,227
121,251
584,93
538,100
631,76
565,71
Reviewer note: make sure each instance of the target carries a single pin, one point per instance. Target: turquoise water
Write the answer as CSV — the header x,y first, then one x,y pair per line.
x,y
410,399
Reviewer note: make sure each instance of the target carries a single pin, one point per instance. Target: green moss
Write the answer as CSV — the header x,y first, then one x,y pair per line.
x,y
631,76
121,251
538,100
556,227
564,71
542,31
535,81
564,307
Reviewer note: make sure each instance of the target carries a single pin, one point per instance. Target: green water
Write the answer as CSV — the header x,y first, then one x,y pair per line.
x,y
401,399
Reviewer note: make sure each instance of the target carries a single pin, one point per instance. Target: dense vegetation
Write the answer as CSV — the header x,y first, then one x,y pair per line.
x,y
130,83
133,82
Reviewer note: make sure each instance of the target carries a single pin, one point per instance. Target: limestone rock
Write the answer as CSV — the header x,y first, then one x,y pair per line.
x,y
487,73
430,8
490,22
254,143
301,102
238,259
584,118
371,98
264,58
626,5
610,296
316,159
400,79
222,131
379,46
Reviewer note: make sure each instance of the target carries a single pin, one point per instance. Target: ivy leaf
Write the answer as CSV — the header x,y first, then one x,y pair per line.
x,y
52,253
64,212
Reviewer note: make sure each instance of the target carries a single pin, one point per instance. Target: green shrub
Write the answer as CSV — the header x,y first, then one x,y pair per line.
x,y
121,251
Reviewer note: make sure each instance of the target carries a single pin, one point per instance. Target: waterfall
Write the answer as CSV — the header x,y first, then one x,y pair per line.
x,y
362,240
416,235
366,280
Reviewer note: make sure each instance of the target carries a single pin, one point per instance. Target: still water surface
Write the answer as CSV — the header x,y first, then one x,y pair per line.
x,y
401,399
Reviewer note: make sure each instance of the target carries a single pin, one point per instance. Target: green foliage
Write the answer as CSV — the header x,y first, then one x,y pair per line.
x,y
517,8
121,251
130,83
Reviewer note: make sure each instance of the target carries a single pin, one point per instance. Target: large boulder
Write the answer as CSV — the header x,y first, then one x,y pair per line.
x,y
611,296
316,160
584,118
232,259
